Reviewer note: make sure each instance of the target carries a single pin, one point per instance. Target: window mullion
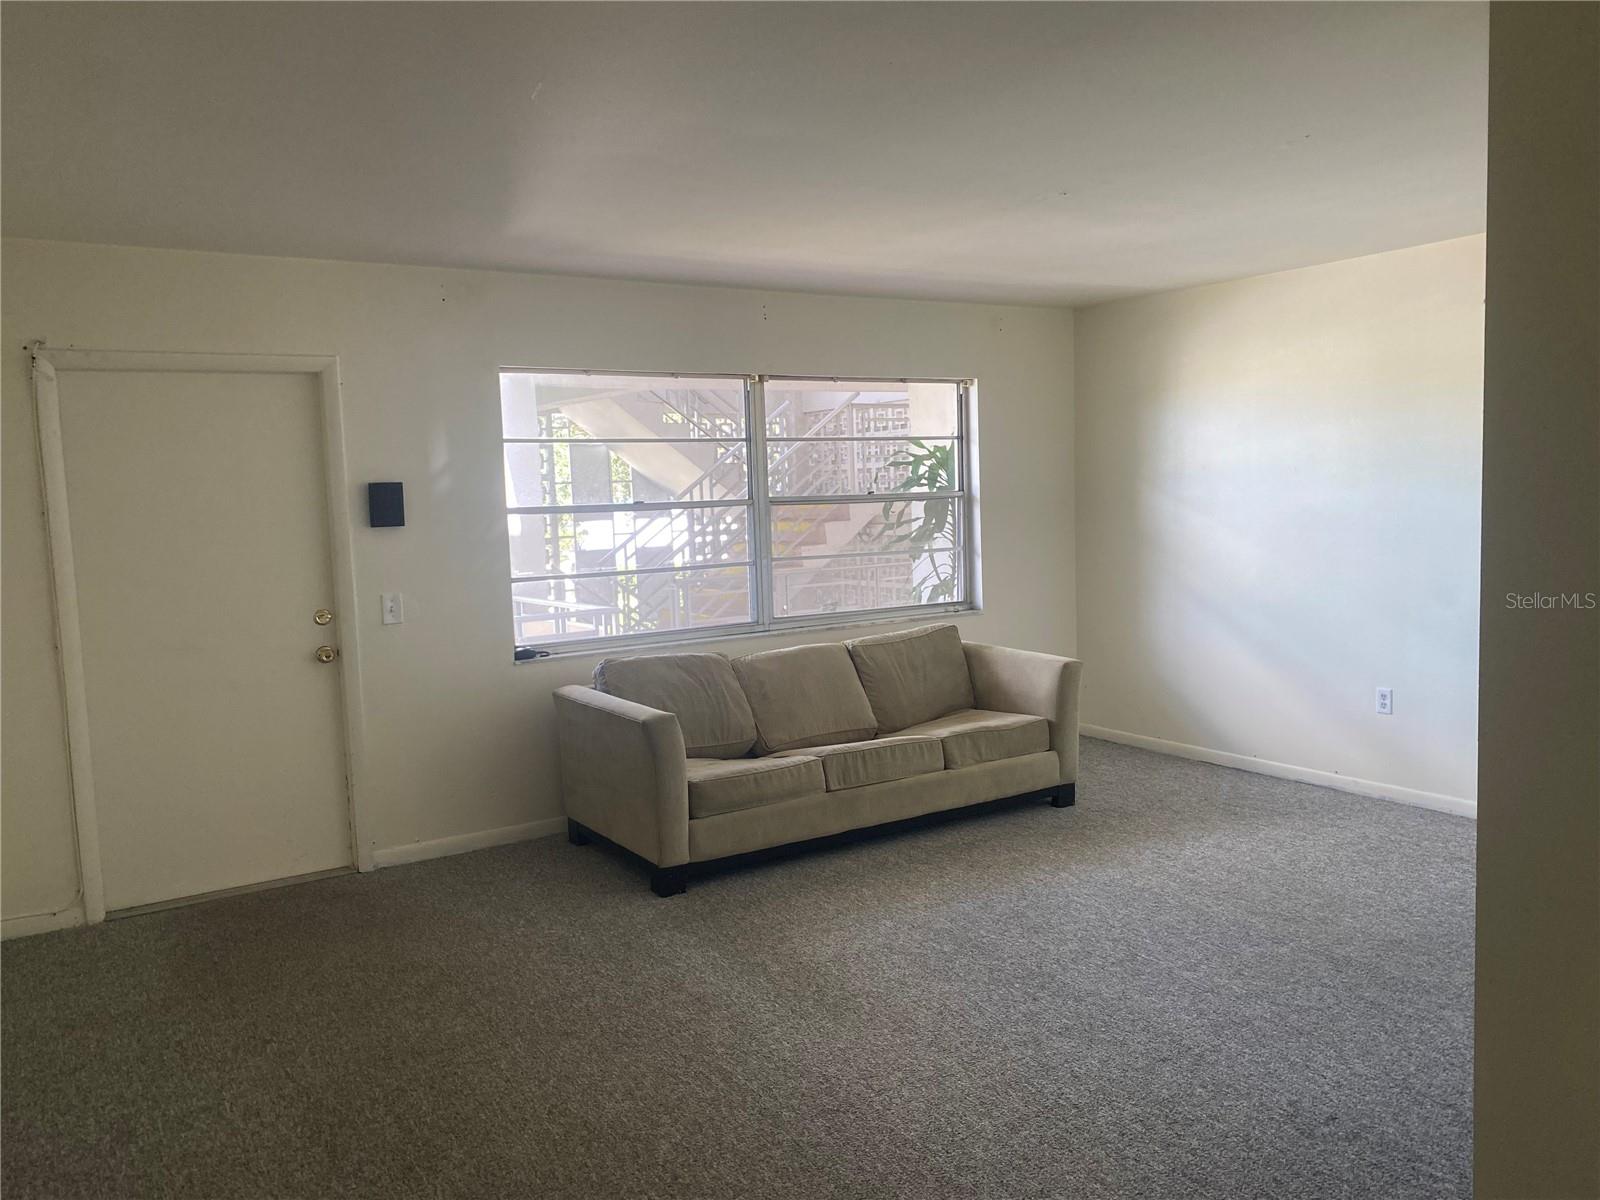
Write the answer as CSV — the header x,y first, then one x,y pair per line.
x,y
824,499
967,467
761,533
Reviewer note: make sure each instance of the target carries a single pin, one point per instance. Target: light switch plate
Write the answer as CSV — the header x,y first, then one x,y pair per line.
x,y
394,608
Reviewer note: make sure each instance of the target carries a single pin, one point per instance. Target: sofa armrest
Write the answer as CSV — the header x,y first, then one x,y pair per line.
x,y
624,772
1041,685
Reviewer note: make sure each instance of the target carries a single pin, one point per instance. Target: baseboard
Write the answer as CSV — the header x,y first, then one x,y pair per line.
x,y
462,843
244,889
68,918
1265,766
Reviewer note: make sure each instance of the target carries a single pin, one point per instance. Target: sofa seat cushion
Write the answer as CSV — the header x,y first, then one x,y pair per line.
x,y
723,785
975,735
804,696
913,676
699,689
857,764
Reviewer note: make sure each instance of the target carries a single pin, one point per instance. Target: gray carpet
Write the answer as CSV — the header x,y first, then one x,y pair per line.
x,y
1197,983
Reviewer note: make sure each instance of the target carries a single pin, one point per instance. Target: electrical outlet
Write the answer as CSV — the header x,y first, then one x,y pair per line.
x,y
394,608
1386,701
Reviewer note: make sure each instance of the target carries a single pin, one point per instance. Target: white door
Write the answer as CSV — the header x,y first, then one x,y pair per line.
x,y
201,548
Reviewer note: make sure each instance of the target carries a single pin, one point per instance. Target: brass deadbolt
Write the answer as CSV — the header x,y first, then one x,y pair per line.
x,y
326,654
322,616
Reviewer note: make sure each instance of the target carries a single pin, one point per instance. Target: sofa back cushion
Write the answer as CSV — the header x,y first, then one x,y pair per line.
x,y
805,696
700,688
913,676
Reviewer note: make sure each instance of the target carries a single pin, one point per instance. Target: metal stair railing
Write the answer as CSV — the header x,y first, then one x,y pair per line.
x,y
704,479
707,528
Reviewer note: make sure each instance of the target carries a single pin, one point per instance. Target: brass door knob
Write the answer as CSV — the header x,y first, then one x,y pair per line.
x,y
322,616
326,654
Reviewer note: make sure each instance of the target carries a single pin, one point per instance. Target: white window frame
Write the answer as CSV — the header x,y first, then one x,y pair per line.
x,y
758,505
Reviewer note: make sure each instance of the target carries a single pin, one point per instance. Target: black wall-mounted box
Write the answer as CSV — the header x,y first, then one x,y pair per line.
x,y
386,505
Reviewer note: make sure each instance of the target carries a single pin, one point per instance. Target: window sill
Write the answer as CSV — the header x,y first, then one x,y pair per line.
x,y
647,644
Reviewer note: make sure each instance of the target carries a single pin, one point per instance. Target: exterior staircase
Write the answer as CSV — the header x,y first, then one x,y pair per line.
x,y
711,470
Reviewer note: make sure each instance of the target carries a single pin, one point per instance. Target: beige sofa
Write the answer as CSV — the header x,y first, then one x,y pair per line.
x,y
688,758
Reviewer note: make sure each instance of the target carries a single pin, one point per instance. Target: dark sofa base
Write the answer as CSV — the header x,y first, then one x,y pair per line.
x,y
672,881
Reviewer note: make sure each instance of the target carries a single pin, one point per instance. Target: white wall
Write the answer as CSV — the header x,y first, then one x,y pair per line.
x,y
459,738
1278,494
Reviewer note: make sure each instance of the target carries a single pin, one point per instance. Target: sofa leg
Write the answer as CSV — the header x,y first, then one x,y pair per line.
x,y
669,881
577,834
1065,797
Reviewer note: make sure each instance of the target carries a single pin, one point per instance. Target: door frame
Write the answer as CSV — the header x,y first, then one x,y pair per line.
x,y
47,363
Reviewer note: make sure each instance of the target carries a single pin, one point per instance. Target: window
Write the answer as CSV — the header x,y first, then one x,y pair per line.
x,y
864,490
661,507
